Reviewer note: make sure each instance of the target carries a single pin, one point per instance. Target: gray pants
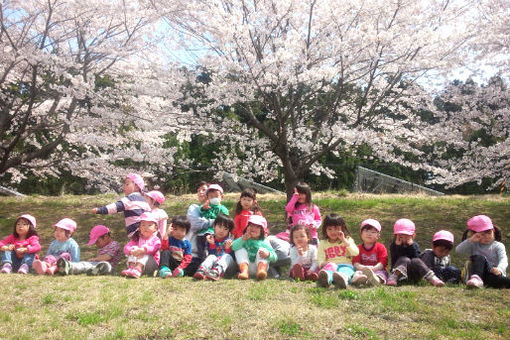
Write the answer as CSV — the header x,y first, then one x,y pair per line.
x,y
84,266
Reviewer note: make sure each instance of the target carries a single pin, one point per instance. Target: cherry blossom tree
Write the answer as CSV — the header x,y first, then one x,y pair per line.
x,y
290,81
79,90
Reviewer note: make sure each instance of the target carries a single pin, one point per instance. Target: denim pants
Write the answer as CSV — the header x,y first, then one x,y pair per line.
x,y
10,257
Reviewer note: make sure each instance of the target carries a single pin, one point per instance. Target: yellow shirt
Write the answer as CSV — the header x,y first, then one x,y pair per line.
x,y
338,253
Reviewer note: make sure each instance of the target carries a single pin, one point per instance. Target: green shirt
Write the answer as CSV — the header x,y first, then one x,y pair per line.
x,y
252,247
211,214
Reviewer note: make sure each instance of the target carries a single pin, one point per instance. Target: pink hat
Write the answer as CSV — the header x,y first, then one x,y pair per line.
x,y
137,179
260,221
215,187
479,223
29,218
443,235
97,232
149,217
156,196
372,223
66,224
404,226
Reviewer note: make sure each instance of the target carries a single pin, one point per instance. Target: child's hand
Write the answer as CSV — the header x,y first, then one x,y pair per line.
x,y
7,247
210,239
94,211
295,191
495,271
228,244
475,237
246,236
409,241
300,251
263,253
341,236
398,240
20,251
178,272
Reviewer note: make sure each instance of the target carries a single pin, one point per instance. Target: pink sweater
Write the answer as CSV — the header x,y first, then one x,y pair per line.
x,y
302,214
151,246
31,243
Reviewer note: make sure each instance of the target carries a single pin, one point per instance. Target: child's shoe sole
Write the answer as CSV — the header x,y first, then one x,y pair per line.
x,y
339,281
372,277
323,280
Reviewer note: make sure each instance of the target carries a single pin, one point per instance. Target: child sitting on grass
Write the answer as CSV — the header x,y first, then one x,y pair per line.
x,y
438,258
176,254
108,255
64,246
143,249
303,255
253,253
219,247
371,262
20,247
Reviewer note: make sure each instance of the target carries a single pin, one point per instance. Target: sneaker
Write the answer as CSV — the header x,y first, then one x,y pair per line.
x,y
435,281
323,280
474,282
213,274
297,272
135,273
311,276
392,280
372,278
23,269
339,280
102,268
199,275
6,268
126,272
40,267
51,270
63,266
165,272
359,279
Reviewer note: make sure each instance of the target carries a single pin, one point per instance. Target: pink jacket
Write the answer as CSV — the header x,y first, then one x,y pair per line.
x,y
31,243
151,246
302,214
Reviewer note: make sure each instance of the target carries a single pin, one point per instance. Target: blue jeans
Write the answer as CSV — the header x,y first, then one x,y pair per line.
x,y
10,257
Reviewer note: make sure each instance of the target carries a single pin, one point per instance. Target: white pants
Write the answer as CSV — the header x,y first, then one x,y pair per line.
x,y
242,257
224,262
149,264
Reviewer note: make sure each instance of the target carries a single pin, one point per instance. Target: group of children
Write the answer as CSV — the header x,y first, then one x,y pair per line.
x,y
242,244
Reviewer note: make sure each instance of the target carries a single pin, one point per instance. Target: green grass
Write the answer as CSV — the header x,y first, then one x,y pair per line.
x,y
81,307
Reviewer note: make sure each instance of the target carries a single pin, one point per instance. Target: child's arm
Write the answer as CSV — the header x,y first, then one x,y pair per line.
x,y
351,248
501,267
224,210
75,251
271,255
313,253
111,208
289,208
129,246
321,253
428,258
33,245
152,246
295,258
197,222
465,247
7,243
317,220
237,244
186,260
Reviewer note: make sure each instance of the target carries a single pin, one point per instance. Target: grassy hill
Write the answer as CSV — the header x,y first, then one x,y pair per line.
x,y
117,308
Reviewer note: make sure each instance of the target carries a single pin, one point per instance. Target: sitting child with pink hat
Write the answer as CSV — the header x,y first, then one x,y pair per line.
x,y
487,255
438,258
20,247
108,255
405,257
64,246
155,199
133,205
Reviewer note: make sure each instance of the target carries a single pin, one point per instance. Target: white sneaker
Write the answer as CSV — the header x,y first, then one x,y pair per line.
x,y
372,277
359,279
474,282
339,280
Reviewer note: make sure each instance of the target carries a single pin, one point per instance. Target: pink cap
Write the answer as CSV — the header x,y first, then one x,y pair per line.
x,y
443,235
215,187
372,223
137,179
404,226
29,218
479,223
97,232
260,221
149,217
66,224
156,196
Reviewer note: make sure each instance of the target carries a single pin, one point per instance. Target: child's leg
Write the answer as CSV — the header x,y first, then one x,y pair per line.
x,y
7,257
223,264
482,268
326,274
150,267
205,266
448,274
25,263
401,267
262,266
342,275
243,261
282,250
81,267
418,270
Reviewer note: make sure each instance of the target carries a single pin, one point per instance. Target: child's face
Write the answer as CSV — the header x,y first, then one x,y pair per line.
x,y
129,186
486,237
440,251
60,234
213,194
147,229
22,227
254,231
370,235
333,232
178,232
246,202
220,231
201,193
404,238
300,238
301,198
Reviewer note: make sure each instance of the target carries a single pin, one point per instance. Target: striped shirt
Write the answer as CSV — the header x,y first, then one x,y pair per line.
x,y
132,205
